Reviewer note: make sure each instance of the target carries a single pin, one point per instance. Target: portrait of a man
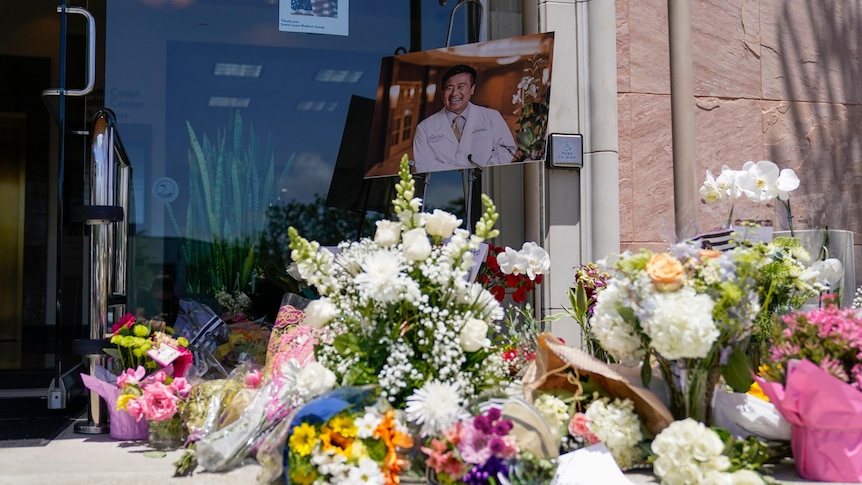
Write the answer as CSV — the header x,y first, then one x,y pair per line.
x,y
478,105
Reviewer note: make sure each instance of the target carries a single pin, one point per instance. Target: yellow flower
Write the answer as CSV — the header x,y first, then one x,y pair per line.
x,y
757,392
335,443
300,478
141,331
123,401
303,439
343,425
184,342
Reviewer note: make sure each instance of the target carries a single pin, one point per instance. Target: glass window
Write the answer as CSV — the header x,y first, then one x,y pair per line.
x,y
234,129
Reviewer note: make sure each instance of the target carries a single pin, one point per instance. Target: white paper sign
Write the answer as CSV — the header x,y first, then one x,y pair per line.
x,y
479,256
588,466
314,16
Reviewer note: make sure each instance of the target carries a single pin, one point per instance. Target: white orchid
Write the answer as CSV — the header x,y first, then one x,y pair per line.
x,y
532,260
763,181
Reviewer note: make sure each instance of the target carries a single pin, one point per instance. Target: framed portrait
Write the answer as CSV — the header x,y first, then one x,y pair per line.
x,y
471,106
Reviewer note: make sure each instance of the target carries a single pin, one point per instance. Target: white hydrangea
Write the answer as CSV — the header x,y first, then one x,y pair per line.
x,y
553,409
688,452
618,427
681,325
615,334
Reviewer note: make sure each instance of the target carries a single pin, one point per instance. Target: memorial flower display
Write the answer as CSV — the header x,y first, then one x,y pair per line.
x,y
397,310
689,310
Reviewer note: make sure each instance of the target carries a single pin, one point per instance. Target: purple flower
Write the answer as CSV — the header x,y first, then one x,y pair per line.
x,y
502,428
493,414
482,424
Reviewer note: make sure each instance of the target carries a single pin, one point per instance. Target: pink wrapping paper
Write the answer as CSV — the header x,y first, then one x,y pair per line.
x,y
826,415
123,426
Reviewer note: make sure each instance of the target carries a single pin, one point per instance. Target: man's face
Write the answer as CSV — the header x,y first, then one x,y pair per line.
x,y
457,92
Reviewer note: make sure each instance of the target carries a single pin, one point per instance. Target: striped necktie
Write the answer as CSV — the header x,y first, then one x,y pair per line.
x,y
456,127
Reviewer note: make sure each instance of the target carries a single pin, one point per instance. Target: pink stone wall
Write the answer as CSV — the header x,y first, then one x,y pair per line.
x,y
774,80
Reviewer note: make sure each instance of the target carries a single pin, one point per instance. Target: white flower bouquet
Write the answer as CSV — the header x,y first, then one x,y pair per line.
x,y
690,310
397,310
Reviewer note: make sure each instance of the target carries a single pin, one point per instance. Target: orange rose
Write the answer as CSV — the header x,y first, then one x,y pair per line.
x,y
665,271
709,254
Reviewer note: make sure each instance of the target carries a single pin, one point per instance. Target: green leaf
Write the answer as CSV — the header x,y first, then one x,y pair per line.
x,y
345,343
115,353
646,371
737,371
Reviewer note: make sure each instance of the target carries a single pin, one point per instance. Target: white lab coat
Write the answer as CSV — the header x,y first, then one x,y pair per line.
x,y
485,139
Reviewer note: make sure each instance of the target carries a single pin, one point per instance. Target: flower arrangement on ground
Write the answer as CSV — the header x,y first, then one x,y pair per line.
x,y
816,385
156,398
829,336
481,450
346,436
688,452
148,344
691,310
398,310
519,272
761,182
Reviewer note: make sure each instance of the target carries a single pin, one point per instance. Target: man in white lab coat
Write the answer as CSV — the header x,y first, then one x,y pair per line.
x,y
462,134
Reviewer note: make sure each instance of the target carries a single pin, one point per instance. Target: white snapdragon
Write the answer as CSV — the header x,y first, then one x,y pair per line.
x,y
417,247
388,233
441,223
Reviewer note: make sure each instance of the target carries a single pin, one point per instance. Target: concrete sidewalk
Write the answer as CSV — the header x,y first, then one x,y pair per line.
x,y
78,459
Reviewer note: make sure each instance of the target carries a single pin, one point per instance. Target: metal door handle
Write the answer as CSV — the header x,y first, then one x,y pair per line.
x,y
91,56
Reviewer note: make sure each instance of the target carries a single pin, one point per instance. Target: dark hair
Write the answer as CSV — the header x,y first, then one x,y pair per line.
x,y
459,69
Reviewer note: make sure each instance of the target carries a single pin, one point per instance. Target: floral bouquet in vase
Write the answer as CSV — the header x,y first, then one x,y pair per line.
x,y
155,398
689,310
814,378
398,310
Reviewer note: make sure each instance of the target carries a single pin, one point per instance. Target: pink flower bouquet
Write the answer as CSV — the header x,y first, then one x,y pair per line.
x,y
154,397
818,358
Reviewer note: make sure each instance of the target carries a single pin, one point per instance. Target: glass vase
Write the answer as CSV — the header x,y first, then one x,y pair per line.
x,y
691,391
168,434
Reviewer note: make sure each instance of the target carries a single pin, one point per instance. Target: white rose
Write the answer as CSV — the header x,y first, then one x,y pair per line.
x,y
314,379
387,233
746,477
441,223
474,335
416,245
319,312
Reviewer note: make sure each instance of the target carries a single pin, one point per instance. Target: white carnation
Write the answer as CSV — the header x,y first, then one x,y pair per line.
x,y
314,379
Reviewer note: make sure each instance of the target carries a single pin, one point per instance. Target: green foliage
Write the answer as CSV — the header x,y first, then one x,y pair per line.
x,y
231,183
531,101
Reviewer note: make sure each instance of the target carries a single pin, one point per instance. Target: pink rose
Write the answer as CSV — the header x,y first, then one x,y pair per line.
x,y
181,387
578,427
159,376
135,408
159,403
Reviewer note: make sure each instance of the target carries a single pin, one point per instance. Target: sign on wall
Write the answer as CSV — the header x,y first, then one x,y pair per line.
x,y
314,16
